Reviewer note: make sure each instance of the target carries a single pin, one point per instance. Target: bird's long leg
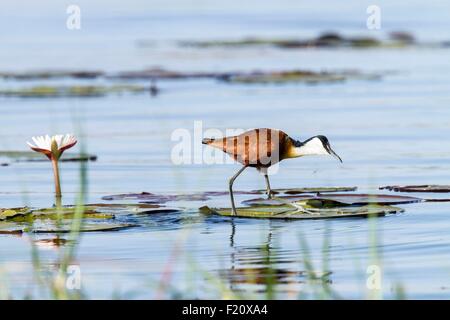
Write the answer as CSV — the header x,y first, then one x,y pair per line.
x,y
269,191
233,207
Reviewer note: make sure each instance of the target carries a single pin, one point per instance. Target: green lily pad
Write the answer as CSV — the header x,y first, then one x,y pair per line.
x,y
311,190
52,74
153,198
67,213
12,213
96,217
285,77
326,40
419,188
343,199
296,76
71,91
133,209
321,203
290,212
98,211
87,227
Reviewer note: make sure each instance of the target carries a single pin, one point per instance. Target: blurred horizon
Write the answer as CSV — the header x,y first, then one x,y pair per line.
x,y
36,37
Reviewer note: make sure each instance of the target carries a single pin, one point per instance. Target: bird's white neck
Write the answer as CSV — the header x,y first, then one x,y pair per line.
x,y
311,148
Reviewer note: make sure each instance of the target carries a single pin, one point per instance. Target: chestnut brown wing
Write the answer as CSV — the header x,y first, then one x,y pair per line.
x,y
255,148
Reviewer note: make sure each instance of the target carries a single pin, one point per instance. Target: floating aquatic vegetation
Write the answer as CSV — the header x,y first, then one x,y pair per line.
x,y
310,190
148,197
294,76
13,212
419,188
155,198
87,227
51,74
317,206
96,217
49,225
333,40
325,40
345,199
153,74
159,73
71,91
283,77
289,211
90,212
402,36
29,156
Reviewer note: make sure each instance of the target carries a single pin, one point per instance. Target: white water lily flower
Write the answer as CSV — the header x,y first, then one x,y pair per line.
x,y
54,146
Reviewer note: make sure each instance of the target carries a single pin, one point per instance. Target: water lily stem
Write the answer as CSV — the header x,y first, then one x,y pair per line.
x,y
57,180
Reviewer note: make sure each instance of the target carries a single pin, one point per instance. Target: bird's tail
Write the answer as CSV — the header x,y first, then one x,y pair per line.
x,y
208,141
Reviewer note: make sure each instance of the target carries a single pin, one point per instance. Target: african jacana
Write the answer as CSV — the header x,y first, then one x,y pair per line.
x,y
262,148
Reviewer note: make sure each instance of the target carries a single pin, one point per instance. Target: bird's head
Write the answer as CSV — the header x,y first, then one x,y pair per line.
x,y
317,145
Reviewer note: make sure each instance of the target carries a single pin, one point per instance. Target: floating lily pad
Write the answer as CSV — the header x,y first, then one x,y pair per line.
x,y
159,73
155,198
321,203
67,213
28,156
96,217
52,74
124,206
152,198
437,200
297,76
71,91
395,40
419,188
103,210
310,190
285,77
225,193
290,212
62,226
347,199
87,227
151,75
326,40
281,76
12,213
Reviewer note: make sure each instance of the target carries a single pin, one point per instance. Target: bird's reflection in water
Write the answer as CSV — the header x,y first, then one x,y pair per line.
x,y
264,268
51,243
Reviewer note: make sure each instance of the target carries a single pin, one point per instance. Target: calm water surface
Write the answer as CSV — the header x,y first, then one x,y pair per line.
x,y
392,131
